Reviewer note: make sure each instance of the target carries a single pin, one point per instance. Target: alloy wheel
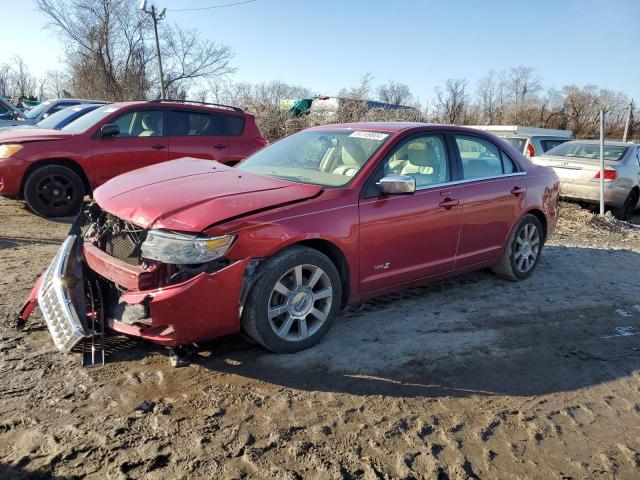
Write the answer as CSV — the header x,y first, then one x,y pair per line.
x,y
526,248
55,191
300,302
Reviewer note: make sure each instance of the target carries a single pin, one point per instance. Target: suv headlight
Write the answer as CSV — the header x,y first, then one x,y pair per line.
x,y
181,248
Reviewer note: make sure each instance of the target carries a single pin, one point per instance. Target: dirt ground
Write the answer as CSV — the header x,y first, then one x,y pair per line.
x,y
474,377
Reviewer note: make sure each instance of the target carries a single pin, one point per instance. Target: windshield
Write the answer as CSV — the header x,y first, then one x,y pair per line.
x,y
322,157
87,121
517,143
57,118
588,150
35,111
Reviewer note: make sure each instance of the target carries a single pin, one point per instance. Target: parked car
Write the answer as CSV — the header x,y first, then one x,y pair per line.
x,y
190,250
7,110
53,170
530,141
61,118
43,110
577,164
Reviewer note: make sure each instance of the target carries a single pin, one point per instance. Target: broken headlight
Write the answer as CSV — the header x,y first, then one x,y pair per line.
x,y
180,248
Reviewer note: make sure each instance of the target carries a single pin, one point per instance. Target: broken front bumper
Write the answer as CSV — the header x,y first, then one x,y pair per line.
x,y
61,296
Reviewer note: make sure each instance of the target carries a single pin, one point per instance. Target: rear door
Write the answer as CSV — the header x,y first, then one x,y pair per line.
x,y
494,195
140,143
199,134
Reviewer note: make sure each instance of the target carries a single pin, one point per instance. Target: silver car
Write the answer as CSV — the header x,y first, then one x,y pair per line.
x,y
577,164
43,110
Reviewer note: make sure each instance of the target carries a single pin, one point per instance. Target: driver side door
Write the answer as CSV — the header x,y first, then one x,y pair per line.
x,y
405,238
142,141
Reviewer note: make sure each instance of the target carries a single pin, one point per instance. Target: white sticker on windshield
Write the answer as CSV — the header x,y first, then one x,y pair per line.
x,y
369,135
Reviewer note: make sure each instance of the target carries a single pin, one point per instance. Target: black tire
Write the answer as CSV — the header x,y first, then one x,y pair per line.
x,y
54,191
258,307
510,266
625,211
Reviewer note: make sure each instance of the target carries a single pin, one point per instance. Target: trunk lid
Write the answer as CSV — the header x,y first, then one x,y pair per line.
x,y
573,169
191,194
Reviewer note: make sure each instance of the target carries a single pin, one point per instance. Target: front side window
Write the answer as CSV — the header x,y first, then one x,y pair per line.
x,y
423,158
323,157
140,123
482,159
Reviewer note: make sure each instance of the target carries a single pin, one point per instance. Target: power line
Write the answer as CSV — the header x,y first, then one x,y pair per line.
x,y
212,7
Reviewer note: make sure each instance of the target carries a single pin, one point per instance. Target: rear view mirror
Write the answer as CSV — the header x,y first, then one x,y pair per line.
x,y
109,130
397,184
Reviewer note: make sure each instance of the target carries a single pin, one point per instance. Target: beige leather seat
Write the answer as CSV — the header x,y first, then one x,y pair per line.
x,y
151,125
353,157
424,165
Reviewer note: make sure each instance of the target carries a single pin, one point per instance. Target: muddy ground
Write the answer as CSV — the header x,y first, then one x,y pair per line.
x,y
474,377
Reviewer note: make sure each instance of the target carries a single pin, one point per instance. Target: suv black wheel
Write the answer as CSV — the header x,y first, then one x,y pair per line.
x,y
54,191
522,251
294,302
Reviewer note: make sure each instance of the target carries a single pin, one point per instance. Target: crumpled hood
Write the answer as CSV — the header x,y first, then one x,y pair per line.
x,y
190,194
24,135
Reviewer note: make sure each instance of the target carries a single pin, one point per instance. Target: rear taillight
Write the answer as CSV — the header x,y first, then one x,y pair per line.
x,y
609,174
531,152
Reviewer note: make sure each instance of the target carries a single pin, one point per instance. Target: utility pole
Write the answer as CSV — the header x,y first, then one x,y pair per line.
x,y
601,162
628,122
156,18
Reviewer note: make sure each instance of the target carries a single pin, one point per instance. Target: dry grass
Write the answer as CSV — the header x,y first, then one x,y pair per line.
x,y
575,219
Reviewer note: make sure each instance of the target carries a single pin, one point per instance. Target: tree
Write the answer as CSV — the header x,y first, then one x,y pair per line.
x,y
451,103
109,58
395,93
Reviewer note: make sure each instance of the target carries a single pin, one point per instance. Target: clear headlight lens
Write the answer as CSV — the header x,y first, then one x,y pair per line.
x,y
10,149
181,249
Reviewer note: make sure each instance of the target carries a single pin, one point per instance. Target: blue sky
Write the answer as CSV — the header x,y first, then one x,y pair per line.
x,y
330,44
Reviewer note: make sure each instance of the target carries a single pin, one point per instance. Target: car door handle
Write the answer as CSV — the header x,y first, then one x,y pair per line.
x,y
449,203
219,146
517,191
158,146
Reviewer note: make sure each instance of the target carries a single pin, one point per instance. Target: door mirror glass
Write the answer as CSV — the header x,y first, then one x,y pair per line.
x,y
109,130
397,184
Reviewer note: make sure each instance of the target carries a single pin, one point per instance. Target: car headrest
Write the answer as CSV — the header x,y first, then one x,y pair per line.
x,y
423,155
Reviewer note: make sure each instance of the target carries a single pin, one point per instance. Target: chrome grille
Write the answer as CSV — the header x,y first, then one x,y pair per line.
x,y
55,303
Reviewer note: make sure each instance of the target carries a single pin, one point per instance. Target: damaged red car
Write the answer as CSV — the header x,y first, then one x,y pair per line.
x,y
189,250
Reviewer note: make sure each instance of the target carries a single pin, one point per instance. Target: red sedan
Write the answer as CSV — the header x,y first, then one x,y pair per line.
x,y
190,250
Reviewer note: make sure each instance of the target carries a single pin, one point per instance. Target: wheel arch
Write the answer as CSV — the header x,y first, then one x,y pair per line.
x,y
539,214
63,162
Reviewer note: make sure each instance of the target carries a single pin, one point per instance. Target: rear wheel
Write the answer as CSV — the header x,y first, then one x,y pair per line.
x,y
625,211
54,191
294,302
522,251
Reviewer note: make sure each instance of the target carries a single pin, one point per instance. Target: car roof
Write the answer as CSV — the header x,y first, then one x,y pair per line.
x,y
186,104
395,127
611,143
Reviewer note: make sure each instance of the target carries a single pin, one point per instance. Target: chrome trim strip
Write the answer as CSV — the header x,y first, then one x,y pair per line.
x,y
461,182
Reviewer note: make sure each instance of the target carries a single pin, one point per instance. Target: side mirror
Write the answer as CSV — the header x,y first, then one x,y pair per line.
x,y
397,185
109,130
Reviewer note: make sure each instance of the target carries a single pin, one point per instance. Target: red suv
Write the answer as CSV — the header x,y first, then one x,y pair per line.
x,y
54,169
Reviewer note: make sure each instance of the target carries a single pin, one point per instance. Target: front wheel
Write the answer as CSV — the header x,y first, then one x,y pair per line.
x,y
54,191
294,302
522,252
625,211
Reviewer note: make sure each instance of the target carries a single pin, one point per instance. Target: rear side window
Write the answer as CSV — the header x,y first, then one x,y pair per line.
x,y
549,144
481,158
200,124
